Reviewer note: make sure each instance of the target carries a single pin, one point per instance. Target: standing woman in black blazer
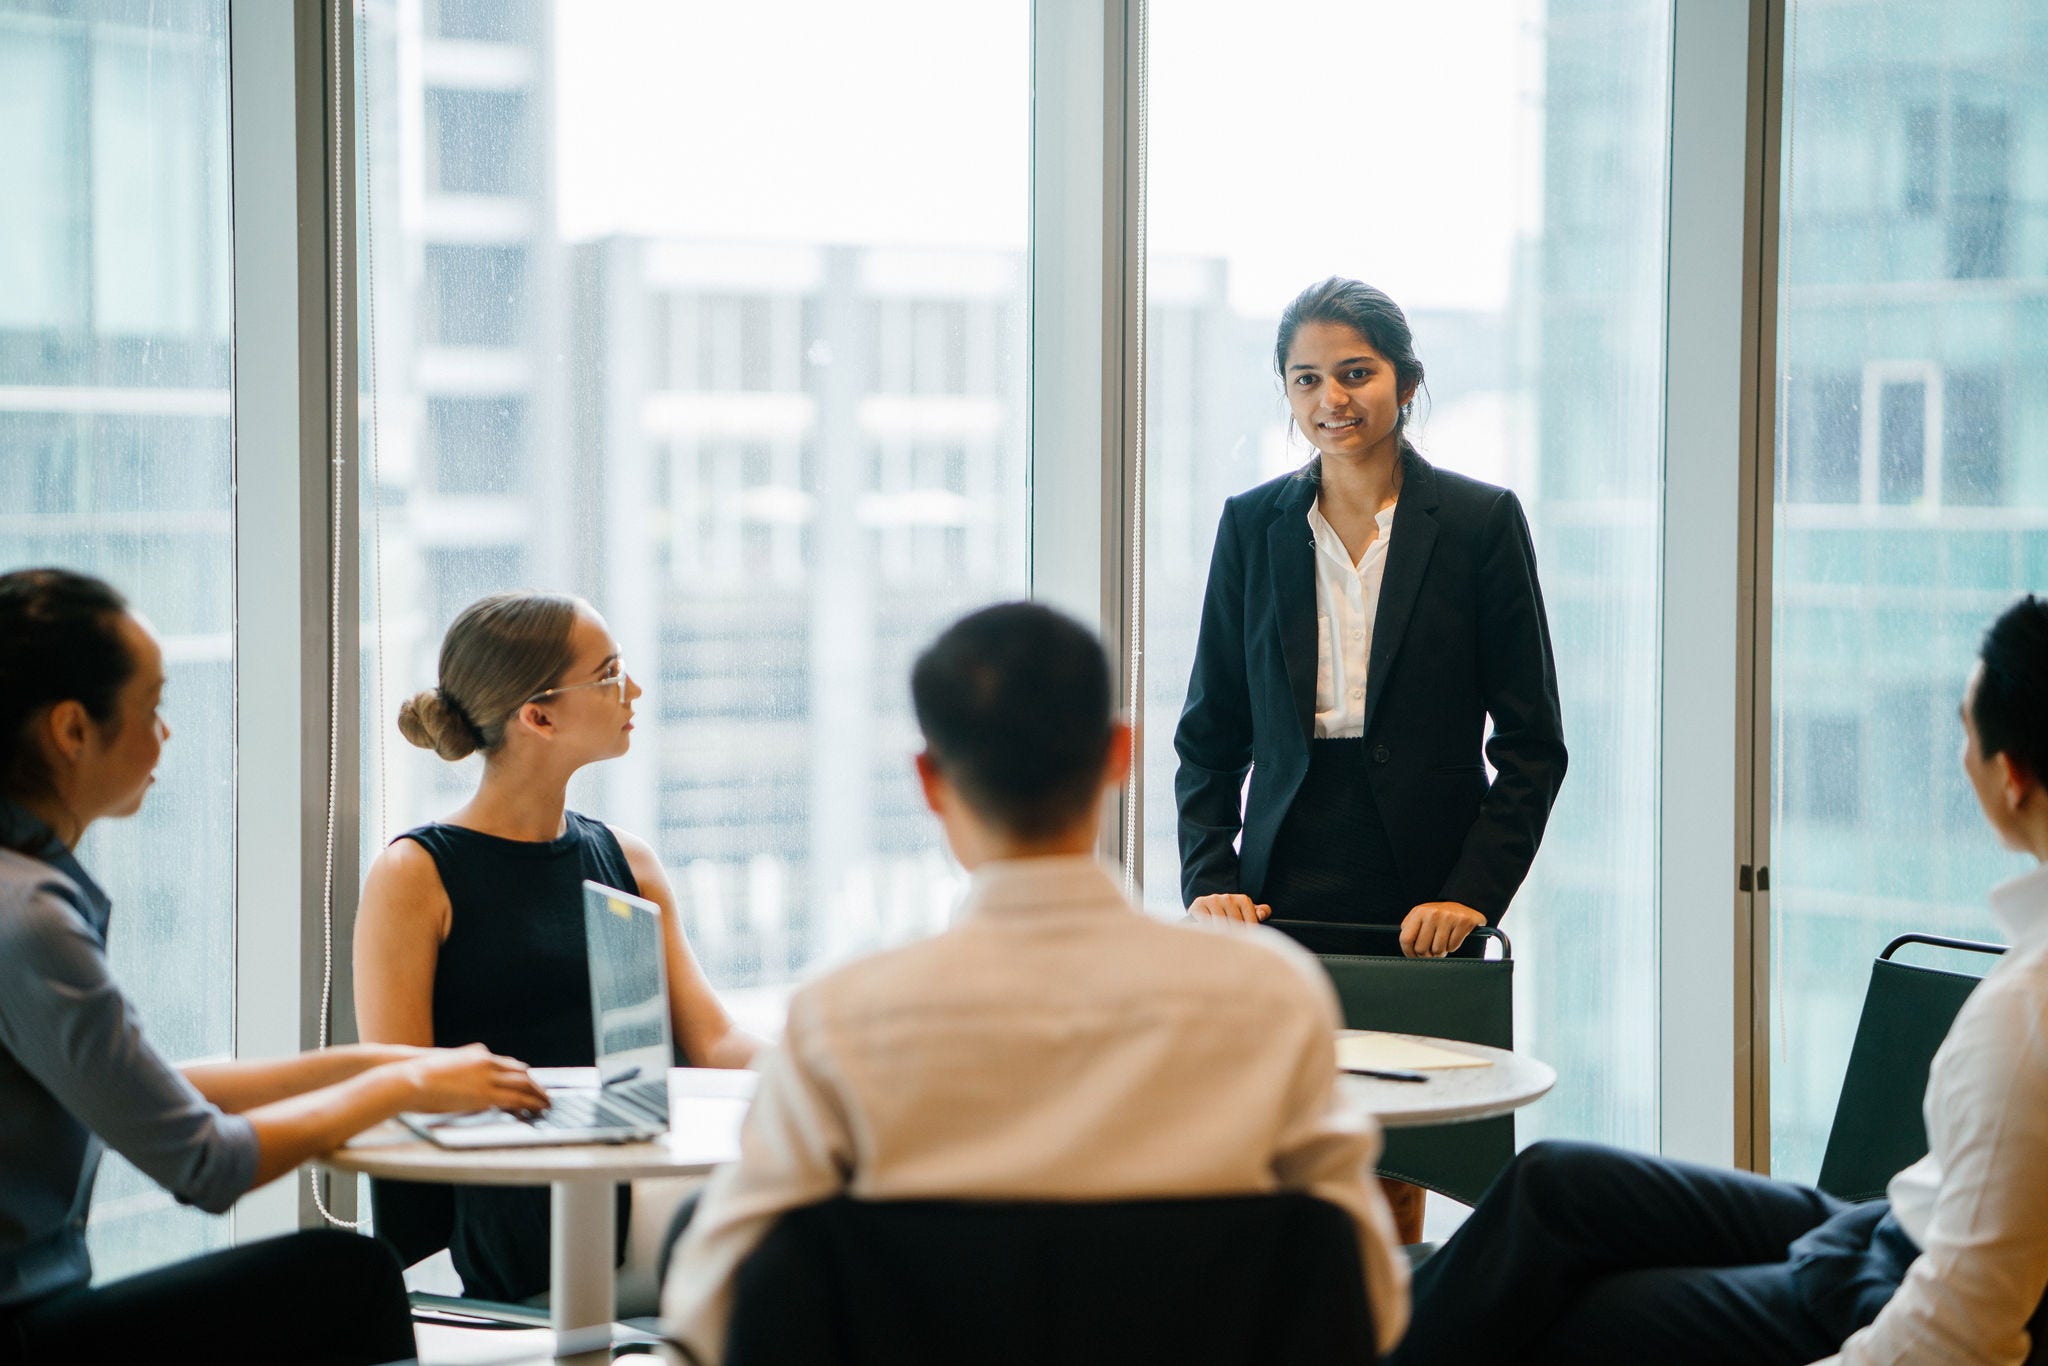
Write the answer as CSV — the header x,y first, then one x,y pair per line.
x,y
1364,617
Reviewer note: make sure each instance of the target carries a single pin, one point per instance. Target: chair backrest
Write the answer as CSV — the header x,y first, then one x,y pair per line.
x,y
1229,1281
1468,998
1460,997
1879,1129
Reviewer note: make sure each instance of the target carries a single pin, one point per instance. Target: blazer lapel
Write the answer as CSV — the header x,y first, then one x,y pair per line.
x,y
1408,551
1292,554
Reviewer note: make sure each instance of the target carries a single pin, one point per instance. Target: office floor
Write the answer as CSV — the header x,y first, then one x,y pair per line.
x,y
440,1345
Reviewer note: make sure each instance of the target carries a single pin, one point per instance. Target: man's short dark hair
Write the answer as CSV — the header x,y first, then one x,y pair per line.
x,y
1016,708
2010,709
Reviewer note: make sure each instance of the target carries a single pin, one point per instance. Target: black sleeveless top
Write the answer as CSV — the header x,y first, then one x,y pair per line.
x,y
513,975
513,971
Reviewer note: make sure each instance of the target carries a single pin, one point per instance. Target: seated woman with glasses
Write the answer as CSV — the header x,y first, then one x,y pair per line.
x,y
81,681
471,928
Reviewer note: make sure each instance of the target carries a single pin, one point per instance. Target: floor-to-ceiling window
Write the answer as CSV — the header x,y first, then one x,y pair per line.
x,y
1911,493
114,459
1500,170
739,360
749,370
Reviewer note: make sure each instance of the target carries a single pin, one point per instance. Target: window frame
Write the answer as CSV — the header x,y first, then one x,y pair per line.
x,y
292,85
290,74
1714,762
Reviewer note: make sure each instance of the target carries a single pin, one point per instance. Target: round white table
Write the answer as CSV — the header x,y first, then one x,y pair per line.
x,y
1451,1095
705,1108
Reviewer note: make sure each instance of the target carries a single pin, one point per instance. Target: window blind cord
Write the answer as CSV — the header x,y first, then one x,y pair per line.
x,y
1135,698
337,467
366,286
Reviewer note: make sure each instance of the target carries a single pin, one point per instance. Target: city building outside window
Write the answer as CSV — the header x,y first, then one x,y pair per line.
x,y
114,459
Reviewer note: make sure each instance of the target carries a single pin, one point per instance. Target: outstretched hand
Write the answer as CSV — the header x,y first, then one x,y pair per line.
x,y
455,1080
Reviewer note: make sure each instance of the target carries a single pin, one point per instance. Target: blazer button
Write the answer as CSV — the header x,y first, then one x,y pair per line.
x,y
1380,755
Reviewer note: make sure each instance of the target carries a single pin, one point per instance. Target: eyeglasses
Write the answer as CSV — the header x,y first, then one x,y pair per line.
x,y
615,679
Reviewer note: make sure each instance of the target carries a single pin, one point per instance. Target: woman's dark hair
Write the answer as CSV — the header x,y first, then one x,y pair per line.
x,y
1366,311
499,652
1015,703
2010,709
60,641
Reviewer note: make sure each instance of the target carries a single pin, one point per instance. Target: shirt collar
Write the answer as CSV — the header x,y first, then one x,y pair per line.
x,y
1329,542
1003,887
21,829
2021,909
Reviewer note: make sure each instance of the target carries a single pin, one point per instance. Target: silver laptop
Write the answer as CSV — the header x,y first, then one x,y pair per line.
x,y
629,1014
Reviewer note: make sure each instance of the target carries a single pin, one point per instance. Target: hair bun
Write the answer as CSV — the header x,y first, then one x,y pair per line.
x,y
432,720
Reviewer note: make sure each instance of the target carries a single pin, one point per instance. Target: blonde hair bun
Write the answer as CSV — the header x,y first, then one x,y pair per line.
x,y
431,721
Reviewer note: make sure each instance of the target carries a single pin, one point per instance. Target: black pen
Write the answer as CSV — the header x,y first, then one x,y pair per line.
x,y
1386,1074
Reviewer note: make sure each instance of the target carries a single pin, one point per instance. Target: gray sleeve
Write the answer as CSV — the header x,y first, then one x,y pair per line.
x,y
73,1030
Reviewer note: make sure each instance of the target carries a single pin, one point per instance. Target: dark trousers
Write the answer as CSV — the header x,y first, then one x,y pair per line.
x,y
1332,861
321,1296
1585,1254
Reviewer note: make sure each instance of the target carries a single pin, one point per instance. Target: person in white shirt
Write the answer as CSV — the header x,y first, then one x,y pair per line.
x,y
1587,1255
1055,1043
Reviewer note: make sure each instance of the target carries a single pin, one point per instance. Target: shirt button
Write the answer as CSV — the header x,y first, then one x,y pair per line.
x,y
1358,635
1358,692
1380,755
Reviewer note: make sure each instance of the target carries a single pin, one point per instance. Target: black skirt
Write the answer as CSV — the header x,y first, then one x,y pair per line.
x,y
1332,862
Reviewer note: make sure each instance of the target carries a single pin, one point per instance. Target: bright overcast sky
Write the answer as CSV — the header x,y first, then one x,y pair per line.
x,y
1398,142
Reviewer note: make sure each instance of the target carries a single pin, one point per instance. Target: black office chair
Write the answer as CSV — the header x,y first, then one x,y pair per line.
x,y
1271,1280
1469,998
1878,1130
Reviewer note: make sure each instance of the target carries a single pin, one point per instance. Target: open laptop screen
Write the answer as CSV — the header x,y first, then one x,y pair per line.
x,y
628,986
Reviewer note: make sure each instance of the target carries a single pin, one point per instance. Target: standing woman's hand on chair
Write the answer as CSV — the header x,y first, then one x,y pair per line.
x,y
1436,928
1229,906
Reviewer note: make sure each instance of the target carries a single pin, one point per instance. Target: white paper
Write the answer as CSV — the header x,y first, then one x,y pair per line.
x,y
1374,1052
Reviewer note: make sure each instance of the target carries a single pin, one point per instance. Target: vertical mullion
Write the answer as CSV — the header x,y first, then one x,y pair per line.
x,y
1759,476
1713,318
285,518
1085,252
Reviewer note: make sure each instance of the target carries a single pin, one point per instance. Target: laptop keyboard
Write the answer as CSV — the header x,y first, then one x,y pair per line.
x,y
633,1105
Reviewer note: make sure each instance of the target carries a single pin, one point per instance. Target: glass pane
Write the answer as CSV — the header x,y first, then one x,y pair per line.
x,y
1503,179
1907,516
114,459
747,373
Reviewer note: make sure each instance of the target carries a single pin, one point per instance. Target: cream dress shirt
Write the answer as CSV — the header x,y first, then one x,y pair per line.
x,y
1054,1044
1347,604
1977,1204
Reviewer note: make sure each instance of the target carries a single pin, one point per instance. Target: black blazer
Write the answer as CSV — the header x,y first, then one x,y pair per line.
x,y
1460,635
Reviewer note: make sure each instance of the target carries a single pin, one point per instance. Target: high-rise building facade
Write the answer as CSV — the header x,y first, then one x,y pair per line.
x,y
115,328
1912,488
777,464
800,461
464,350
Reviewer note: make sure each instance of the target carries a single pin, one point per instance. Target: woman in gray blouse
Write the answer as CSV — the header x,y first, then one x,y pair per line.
x,y
81,678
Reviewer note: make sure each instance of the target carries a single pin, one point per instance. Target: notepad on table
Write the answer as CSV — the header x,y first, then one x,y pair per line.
x,y
1373,1052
